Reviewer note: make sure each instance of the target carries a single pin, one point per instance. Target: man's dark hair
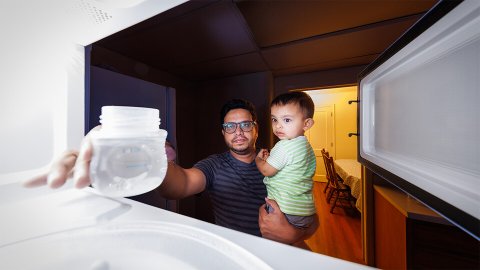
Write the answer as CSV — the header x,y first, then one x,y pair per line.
x,y
301,98
237,104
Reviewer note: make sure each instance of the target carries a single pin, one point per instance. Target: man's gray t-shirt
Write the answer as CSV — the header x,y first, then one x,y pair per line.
x,y
236,190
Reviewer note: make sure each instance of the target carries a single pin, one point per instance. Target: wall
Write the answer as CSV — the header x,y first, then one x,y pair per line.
x,y
345,117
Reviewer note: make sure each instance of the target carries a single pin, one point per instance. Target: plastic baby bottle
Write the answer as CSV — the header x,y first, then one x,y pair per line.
x,y
128,152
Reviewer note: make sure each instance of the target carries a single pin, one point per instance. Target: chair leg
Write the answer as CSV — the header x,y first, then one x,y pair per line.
x,y
350,200
334,202
329,195
326,186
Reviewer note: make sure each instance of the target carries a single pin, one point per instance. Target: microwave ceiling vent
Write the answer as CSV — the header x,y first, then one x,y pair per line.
x,y
90,12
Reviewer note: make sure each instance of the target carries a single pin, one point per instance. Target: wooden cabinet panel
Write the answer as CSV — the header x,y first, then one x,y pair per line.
x,y
408,235
390,235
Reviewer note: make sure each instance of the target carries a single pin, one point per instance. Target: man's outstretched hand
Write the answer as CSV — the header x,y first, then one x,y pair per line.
x,y
71,164
75,165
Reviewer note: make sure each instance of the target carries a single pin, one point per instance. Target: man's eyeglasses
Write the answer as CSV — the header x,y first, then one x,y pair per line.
x,y
245,126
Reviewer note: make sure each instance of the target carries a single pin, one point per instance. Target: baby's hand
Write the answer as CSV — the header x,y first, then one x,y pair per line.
x,y
263,154
170,151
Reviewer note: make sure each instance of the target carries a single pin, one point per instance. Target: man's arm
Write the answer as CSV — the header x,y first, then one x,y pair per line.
x,y
71,164
178,183
276,227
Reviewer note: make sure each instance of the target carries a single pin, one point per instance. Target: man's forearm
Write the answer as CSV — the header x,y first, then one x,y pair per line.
x,y
275,226
174,185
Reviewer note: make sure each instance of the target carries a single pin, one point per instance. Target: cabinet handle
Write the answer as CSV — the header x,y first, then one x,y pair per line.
x,y
351,101
353,134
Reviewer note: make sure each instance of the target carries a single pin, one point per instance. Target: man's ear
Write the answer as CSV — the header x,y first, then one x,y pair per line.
x,y
308,124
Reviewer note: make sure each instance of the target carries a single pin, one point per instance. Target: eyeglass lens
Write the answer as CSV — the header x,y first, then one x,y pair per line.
x,y
230,127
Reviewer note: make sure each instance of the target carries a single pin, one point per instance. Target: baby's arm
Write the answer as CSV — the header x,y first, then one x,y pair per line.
x,y
262,164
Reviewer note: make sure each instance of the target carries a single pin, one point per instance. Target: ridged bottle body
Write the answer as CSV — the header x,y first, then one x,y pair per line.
x,y
129,157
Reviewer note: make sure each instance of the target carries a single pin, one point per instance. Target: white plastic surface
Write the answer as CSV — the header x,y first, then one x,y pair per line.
x,y
139,245
31,216
420,110
43,81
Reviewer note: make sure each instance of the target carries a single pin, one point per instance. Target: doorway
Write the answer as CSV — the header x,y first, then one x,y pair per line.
x,y
344,120
322,136
340,232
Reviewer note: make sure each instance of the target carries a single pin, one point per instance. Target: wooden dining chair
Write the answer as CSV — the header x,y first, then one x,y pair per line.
x,y
325,155
338,190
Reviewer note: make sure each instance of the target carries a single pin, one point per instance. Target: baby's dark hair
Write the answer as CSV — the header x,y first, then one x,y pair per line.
x,y
301,98
237,104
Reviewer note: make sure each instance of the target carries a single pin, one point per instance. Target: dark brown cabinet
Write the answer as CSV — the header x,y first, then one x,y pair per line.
x,y
408,235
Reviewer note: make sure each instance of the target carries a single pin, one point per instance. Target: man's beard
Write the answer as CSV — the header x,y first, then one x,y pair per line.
x,y
245,151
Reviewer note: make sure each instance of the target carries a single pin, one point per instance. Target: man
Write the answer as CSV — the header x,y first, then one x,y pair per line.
x,y
235,185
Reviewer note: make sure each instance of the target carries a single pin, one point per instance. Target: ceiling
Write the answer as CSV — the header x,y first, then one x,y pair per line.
x,y
209,39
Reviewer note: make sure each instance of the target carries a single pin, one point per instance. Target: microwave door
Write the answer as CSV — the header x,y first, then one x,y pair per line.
x,y
419,118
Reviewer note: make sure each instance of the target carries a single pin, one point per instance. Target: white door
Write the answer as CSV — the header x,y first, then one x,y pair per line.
x,y
322,135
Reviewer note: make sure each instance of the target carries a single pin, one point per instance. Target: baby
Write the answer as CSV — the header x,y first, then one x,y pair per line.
x,y
290,166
